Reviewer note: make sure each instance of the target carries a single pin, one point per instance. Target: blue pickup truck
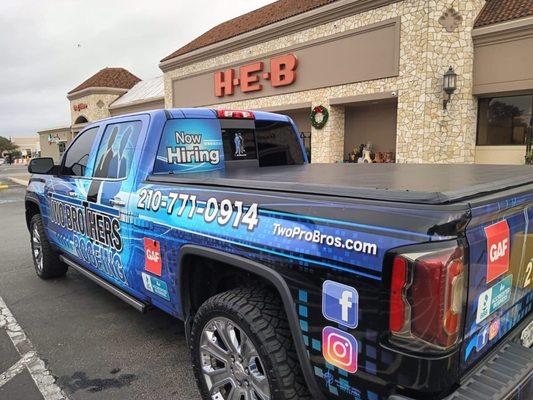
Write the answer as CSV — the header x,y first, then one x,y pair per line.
x,y
298,280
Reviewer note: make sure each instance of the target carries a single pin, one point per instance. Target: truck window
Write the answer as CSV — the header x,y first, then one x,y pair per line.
x,y
201,145
238,139
116,150
77,155
277,144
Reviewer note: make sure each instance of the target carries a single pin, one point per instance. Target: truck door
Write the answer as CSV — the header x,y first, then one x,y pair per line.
x,y
108,222
67,191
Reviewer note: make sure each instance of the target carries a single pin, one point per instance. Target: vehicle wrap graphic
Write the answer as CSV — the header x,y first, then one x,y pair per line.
x,y
499,288
305,239
262,236
90,234
190,145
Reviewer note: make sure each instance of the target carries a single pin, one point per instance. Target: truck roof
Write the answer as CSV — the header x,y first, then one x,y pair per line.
x,y
410,183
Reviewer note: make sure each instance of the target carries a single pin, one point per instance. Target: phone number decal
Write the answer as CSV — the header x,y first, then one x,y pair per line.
x,y
185,205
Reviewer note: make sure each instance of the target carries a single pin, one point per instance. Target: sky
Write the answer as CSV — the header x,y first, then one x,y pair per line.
x,y
48,47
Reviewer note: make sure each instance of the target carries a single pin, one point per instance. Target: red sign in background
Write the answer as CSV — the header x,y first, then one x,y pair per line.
x,y
282,73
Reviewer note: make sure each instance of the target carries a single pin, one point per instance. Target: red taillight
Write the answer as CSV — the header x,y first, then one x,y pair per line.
x,y
431,298
397,301
235,114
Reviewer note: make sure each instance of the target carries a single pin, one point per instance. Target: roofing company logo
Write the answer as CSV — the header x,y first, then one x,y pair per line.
x,y
152,260
498,249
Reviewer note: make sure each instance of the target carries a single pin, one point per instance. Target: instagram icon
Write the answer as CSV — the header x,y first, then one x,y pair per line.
x,y
339,348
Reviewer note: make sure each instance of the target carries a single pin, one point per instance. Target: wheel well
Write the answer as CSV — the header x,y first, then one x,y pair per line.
x,y
31,210
205,272
205,277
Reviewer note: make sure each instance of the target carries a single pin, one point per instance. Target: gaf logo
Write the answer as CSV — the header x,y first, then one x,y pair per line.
x,y
152,251
498,249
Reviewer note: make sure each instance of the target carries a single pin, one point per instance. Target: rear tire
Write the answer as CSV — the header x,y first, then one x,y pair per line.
x,y
45,259
259,362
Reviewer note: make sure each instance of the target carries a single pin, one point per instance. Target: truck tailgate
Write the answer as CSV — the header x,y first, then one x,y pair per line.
x,y
500,291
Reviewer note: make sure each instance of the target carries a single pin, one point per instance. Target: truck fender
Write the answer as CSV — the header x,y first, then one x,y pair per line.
x,y
31,204
264,272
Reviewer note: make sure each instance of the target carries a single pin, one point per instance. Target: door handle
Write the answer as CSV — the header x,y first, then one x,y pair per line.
x,y
72,193
116,202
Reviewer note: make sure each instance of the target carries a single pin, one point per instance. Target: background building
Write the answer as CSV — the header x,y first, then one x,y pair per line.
x,y
109,92
377,66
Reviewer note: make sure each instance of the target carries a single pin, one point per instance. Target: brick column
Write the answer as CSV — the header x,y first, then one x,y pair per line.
x,y
327,144
426,132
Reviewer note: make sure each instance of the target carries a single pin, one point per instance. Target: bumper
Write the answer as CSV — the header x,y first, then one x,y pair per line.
x,y
506,374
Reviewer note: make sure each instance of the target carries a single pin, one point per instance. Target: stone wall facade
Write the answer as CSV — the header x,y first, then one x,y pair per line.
x,y
51,149
97,106
426,133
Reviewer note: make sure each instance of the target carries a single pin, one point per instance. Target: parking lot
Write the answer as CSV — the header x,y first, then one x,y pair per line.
x,y
71,331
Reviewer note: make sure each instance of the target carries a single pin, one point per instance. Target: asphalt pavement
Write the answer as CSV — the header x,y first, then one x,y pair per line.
x,y
69,338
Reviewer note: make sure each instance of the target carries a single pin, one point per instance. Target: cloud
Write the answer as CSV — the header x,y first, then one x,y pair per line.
x,y
49,47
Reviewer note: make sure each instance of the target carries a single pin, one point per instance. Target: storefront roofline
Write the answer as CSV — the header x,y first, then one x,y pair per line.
x,y
503,31
54,130
287,107
509,75
300,22
137,102
363,98
95,90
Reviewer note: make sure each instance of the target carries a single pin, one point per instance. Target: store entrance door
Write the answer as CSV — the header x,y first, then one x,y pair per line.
x,y
370,131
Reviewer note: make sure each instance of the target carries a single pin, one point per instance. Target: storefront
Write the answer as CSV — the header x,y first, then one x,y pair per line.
x,y
362,79
503,83
376,68
109,92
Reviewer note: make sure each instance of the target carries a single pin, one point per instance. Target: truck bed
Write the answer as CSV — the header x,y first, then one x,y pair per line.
x,y
407,183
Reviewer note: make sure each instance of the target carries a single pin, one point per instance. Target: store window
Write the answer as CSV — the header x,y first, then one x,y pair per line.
x,y
504,121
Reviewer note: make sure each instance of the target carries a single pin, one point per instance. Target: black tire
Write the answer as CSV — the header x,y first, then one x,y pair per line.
x,y
45,259
260,314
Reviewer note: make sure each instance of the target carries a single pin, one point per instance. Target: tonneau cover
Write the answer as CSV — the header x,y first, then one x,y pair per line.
x,y
411,183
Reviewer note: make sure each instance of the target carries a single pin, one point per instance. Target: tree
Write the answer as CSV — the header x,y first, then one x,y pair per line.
x,y
6,145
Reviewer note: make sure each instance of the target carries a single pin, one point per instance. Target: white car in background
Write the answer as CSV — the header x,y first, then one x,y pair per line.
x,y
2,161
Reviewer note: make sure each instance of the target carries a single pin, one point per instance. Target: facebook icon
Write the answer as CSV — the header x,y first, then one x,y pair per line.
x,y
340,303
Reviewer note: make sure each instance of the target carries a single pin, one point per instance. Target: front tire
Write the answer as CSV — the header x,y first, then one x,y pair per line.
x,y
242,348
45,259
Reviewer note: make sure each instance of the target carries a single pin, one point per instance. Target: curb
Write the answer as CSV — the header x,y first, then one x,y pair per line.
x,y
23,182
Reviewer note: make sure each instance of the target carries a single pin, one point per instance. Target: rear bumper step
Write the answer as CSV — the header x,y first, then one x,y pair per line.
x,y
132,301
504,375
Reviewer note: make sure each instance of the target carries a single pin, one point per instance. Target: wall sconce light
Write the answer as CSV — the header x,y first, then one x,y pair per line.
x,y
449,85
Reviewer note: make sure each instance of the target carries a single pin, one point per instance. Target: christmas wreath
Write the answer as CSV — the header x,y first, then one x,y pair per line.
x,y
319,117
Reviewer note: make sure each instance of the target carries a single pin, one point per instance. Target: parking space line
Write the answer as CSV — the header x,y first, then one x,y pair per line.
x,y
29,359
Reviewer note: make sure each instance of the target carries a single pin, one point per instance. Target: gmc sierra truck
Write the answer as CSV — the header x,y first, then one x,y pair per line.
x,y
298,280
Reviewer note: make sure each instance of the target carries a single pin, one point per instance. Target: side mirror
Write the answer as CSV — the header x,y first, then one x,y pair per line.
x,y
43,166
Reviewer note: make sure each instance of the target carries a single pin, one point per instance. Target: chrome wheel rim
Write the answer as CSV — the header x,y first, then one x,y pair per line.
x,y
231,366
37,248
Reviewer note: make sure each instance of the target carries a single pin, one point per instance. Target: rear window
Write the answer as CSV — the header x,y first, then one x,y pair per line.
x,y
201,145
277,144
